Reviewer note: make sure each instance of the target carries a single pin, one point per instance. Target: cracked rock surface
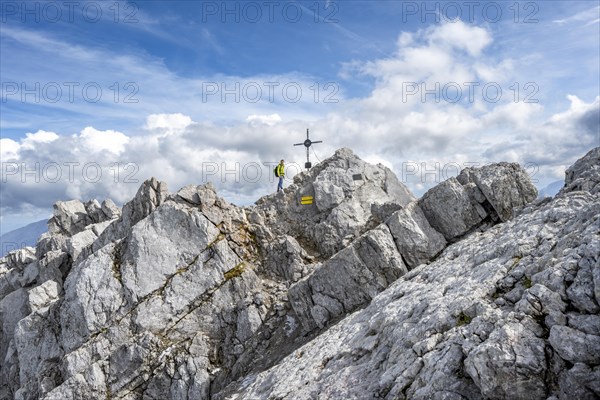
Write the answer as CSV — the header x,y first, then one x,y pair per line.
x,y
472,291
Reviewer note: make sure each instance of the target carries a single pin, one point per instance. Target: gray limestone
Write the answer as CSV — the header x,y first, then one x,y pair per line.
x,y
471,292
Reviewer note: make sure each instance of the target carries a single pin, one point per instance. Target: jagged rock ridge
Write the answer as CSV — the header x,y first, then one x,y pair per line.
x,y
186,296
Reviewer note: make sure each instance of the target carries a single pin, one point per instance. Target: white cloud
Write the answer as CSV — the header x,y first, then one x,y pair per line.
x,y
31,139
512,115
405,39
9,149
494,73
264,119
169,123
95,141
376,159
459,35
576,110
433,60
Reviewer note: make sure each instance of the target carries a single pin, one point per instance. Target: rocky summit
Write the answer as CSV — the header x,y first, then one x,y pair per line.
x,y
474,291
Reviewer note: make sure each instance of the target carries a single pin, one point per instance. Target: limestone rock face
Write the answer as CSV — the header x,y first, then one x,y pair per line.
x,y
471,291
584,174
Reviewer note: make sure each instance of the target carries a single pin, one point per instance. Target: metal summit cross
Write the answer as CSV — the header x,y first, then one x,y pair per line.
x,y
307,143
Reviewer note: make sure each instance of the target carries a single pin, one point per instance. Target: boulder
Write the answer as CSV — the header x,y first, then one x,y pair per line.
x,y
449,209
19,259
505,186
70,217
110,210
416,240
94,210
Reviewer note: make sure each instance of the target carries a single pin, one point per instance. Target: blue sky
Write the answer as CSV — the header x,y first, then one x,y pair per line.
x,y
140,88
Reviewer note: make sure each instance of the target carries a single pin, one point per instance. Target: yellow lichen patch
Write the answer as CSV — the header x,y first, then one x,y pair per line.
x,y
235,271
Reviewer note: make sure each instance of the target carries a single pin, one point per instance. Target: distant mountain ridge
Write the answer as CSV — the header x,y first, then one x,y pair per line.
x,y
22,237
551,189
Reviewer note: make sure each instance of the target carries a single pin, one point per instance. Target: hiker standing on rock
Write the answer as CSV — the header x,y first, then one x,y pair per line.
x,y
280,173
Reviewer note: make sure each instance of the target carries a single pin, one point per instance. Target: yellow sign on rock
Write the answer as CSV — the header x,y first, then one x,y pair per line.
x,y
306,200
